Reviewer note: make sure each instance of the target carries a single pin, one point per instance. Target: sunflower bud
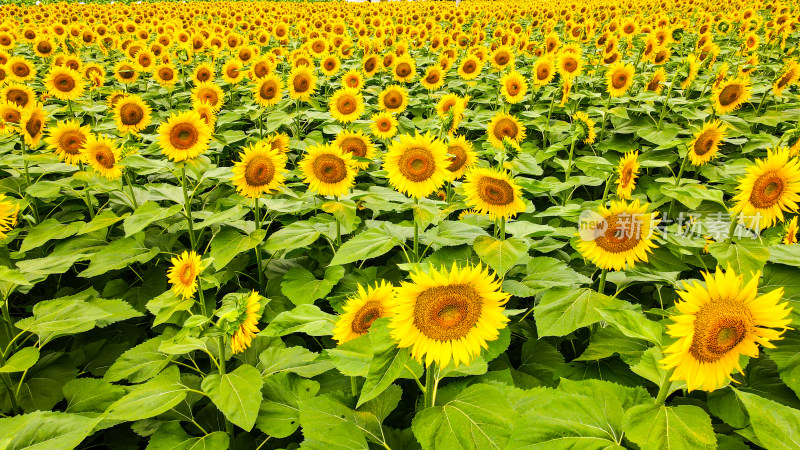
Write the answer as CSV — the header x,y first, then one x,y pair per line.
x,y
447,121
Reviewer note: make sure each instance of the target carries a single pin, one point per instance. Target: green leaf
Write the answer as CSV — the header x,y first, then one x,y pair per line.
x,y
118,310
63,316
608,341
564,310
541,360
140,363
237,394
91,395
279,414
297,360
307,319
669,427
388,362
167,304
633,323
150,399
353,357
171,436
500,255
479,417
649,367
327,420
367,244
544,273
120,254
787,357
44,430
293,236
100,222
745,256
301,287
785,254
21,361
451,233
774,424
229,242
146,214
48,230
41,389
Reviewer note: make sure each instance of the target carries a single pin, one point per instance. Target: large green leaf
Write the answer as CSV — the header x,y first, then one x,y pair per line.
x,y
171,436
563,310
633,324
669,427
295,235
119,254
150,399
146,214
279,414
91,395
328,421
367,244
21,361
450,233
307,319
237,394
139,363
63,316
301,287
388,361
230,242
48,230
544,273
775,425
45,430
500,255
745,256
297,360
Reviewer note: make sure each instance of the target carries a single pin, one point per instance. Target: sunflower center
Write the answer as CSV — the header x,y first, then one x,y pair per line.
x,y
704,143
785,79
166,74
619,80
730,94
186,274
64,82
627,174
131,114
34,126
126,72
446,313
384,125
203,75
370,312
403,69
183,136
44,47
21,69
11,116
232,72
767,190
505,127
346,104
259,171
542,73
329,168
495,191
432,78
17,96
352,82
209,96
512,87
301,83
718,328
653,85
105,157
502,58
393,100
268,90
458,158
71,142
622,233
354,145
417,164
570,65
370,64
261,69
469,67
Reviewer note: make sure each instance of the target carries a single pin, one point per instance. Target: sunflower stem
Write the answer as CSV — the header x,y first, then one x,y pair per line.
x,y
259,259
761,103
416,230
187,207
430,386
605,116
549,113
228,424
606,190
88,199
126,177
732,229
28,179
677,183
354,386
663,389
666,101
602,286
569,170
503,228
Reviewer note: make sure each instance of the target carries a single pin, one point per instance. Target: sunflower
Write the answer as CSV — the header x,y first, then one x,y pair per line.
x,y
328,170
346,105
619,78
502,58
206,113
19,69
618,237
279,141
260,170
165,75
67,140
769,189
693,66
302,83
209,92
513,86
656,82
790,233
461,156
262,67
627,171
433,79
247,323
393,99
132,114
789,76
357,144
416,165
268,90
103,155
543,71
493,192
370,65
114,98
125,72
184,136
183,273
448,315
504,126
353,79
202,73
470,68
32,124
9,211
10,114
64,84
569,64
586,127
404,70
330,65
44,47
384,125
719,322
706,142
362,309
20,94
232,71
730,95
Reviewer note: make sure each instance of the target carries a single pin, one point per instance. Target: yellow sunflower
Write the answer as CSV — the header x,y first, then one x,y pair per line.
x,y
513,86
586,127
330,65
503,126
502,57
770,188
132,114
470,68
32,124
19,69
328,170
232,71
433,79
367,306
705,145
730,95
393,99
405,69
353,79
626,174
346,105
618,237
656,83
165,75
789,76
184,136
20,94
206,113
209,92
461,156
9,211
183,273
417,165
279,141
448,315
790,234
202,73
103,155
356,144
384,125
493,192
125,72
569,64
619,78
543,71
260,170
67,140
719,322
302,83
268,90
247,323
64,84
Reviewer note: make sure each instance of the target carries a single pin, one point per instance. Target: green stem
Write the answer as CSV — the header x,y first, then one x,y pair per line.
x,y
338,227
663,389
354,386
549,113
419,383
187,207
9,324
605,116
732,229
28,179
259,258
87,195
761,103
430,385
503,228
126,177
416,230
569,170
605,191
602,286
666,101
228,424
678,183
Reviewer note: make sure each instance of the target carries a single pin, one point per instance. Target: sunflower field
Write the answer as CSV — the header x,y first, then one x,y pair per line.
x,y
406,225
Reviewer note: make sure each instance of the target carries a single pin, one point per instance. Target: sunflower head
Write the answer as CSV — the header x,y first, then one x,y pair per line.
x,y
184,136
513,86
504,126
730,95
462,157
705,145
246,311
64,84
184,272
67,140
417,165
328,170
584,127
494,193
770,188
103,155
132,114
626,174
9,211
384,125
362,309
393,99
543,71
32,124
790,232
209,92
346,105
356,144
268,90
619,78
260,170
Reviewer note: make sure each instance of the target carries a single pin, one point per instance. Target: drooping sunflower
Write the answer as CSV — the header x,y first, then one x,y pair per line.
x,y
618,237
67,140
513,86
206,113
20,94
103,155
586,127
260,170
619,78
346,105
789,76
433,79
279,141
790,233
10,113
268,90
770,188
384,125
9,211
470,68
448,315
543,71
328,170
353,79
357,144
730,95
32,124
656,82
183,273
417,165
302,83
705,145
493,192
247,323
627,171
209,92
461,156
184,136
503,126
719,322
393,99
405,69
132,114
362,309
64,84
